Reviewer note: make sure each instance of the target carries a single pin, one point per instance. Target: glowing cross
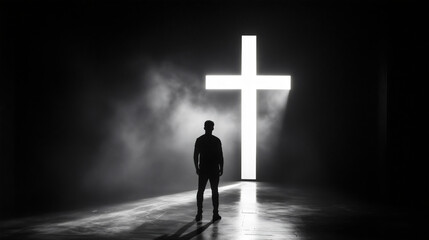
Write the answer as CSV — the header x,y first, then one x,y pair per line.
x,y
248,82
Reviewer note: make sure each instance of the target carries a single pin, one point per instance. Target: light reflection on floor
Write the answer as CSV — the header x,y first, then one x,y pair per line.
x,y
255,222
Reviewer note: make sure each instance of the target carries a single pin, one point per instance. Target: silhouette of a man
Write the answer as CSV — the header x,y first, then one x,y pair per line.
x,y
208,160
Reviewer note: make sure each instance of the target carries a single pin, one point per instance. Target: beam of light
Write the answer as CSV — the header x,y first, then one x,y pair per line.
x,y
248,83
119,218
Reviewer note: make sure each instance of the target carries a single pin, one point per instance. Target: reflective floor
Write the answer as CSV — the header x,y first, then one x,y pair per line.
x,y
250,210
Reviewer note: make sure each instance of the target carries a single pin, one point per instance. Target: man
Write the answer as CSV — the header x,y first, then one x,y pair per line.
x,y
208,160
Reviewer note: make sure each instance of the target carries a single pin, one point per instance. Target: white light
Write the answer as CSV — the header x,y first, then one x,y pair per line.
x,y
248,83
248,56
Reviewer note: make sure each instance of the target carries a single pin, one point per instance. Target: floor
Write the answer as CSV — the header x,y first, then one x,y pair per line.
x,y
249,210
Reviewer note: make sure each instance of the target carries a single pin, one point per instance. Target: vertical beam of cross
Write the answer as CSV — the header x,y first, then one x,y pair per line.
x,y
248,82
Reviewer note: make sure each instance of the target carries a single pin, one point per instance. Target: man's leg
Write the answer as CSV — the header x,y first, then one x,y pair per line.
x,y
202,182
214,184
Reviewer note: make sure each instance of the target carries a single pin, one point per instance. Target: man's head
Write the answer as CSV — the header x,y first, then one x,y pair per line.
x,y
208,126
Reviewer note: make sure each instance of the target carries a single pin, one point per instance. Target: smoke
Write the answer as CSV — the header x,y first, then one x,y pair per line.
x,y
271,106
151,136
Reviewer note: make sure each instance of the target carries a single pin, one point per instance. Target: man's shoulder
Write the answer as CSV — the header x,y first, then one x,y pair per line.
x,y
216,138
204,136
200,137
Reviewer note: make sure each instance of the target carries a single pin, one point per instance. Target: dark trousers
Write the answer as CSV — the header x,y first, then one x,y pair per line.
x,y
214,183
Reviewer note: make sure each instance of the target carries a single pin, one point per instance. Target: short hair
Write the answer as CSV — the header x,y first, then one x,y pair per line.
x,y
209,125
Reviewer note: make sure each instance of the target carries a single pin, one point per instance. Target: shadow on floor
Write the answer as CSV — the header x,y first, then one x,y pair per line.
x,y
178,234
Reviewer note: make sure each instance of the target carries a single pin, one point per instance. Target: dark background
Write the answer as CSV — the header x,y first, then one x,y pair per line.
x,y
355,119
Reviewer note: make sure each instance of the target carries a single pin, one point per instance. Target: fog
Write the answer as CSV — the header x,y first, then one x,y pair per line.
x,y
149,139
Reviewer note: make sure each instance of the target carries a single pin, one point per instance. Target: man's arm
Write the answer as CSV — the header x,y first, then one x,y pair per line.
x,y
221,160
196,153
